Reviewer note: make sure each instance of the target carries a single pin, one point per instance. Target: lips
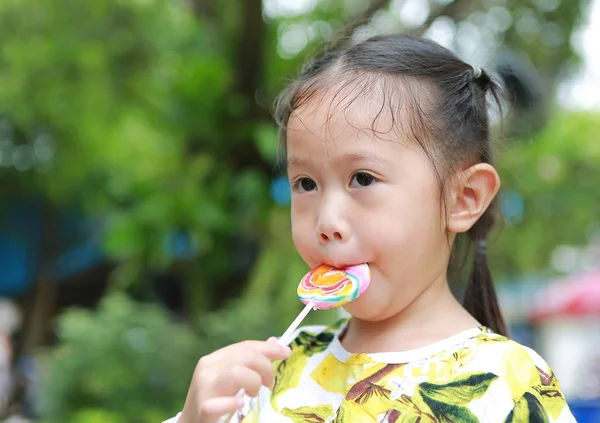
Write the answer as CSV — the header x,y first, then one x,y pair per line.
x,y
338,264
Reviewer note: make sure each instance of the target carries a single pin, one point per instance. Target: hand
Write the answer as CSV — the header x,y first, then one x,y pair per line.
x,y
219,376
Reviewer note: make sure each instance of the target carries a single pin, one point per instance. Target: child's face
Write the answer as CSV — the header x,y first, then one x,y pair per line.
x,y
360,197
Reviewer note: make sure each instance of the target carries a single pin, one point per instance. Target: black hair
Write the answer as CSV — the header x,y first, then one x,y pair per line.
x,y
450,121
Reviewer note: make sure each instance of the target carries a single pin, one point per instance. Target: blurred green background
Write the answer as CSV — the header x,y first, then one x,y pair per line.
x,y
144,219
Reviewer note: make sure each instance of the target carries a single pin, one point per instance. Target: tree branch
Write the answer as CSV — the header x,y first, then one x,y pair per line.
x,y
248,67
247,56
202,8
249,53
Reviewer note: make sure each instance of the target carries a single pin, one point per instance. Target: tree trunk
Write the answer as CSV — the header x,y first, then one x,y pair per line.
x,y
40,303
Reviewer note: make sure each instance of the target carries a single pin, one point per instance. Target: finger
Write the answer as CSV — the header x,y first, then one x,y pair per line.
x,y
272,340
214,408
224,384
261,365
272,351
238,377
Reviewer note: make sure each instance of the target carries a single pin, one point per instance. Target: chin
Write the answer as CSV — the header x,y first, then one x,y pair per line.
x,y
363,309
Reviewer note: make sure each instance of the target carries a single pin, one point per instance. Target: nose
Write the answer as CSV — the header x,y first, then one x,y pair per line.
x,y
332,225
325,236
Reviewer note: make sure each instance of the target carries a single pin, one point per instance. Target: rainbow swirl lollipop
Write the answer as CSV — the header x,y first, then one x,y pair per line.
x,y
330,287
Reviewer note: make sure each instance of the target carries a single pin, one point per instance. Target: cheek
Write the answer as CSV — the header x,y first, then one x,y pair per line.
x,y
405,232
404,216
301,232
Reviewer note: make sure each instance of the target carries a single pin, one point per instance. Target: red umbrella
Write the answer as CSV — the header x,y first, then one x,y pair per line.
x,y
574,296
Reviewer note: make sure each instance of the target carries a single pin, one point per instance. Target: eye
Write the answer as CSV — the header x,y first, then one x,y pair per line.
x,y
362,179
304,185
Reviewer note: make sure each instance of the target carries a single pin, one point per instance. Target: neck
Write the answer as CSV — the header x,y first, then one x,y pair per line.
x,y
434,315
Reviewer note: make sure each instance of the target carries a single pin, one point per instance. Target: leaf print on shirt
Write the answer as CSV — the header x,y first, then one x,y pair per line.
x,y
391,416
528,409
397,416
335,376
375,400
370,400
487,336
404,385
413,409
366,399
448,365
312,343
448,402
380,409
414,399
287,374
550,394
318,414
460,391
289,371
364,384
518,370
351,412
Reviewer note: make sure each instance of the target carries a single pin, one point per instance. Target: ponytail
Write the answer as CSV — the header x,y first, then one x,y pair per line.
x,y
480,296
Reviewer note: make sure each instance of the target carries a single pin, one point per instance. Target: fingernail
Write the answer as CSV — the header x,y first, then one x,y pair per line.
x,y
272,339
240,402
286,349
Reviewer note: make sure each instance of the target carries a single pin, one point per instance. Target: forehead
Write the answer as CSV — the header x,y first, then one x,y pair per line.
x,y
356,113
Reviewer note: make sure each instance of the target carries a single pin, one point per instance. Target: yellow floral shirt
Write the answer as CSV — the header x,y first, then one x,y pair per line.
x,y
474,376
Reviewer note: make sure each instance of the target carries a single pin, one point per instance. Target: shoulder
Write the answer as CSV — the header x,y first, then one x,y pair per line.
x,y
508,355
523,376
518,365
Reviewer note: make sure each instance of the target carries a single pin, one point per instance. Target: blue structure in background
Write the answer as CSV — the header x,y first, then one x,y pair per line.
x,y
512,205
20,229
586,411
180,244
78,240
16,272
20,242
281,191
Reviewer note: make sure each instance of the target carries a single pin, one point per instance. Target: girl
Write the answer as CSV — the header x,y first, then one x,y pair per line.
x,y
389,156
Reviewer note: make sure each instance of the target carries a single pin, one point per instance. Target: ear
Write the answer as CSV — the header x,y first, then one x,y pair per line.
x,y
472,192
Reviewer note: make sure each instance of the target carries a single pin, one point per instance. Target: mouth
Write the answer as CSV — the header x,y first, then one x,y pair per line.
x,y
342,265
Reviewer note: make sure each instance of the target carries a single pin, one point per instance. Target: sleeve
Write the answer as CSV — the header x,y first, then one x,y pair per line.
x,y
174,419
542,398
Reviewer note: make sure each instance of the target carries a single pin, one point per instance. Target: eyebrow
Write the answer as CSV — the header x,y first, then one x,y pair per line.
x,y
362,156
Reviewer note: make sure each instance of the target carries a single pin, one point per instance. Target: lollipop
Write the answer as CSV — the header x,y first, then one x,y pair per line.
x,y
329,287
326,287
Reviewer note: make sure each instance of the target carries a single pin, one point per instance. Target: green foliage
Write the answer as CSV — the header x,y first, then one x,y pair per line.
x,y
95,415
117,91
125,363
128,362
556,173
124,110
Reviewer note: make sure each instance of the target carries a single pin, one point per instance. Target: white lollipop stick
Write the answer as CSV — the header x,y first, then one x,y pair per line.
x,y
284,340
